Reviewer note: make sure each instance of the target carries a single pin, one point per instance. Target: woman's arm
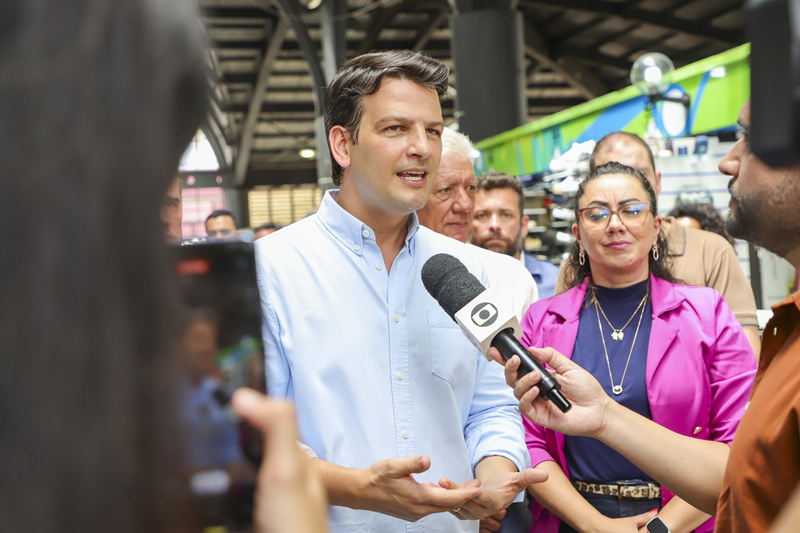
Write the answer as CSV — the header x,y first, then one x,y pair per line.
x,y
559,496
690,467
680,517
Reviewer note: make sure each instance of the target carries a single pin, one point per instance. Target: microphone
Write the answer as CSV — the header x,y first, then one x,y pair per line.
x,y
474,308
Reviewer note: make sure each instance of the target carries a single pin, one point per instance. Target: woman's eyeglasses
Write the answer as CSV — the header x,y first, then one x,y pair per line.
x,y
632,214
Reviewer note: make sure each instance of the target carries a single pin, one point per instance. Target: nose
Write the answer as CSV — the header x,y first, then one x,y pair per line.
x,y
419,145
462,203
494,222
730,163
615,224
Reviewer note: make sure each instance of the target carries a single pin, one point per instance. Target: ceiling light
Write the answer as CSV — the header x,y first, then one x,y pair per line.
x,y
307,153
652,73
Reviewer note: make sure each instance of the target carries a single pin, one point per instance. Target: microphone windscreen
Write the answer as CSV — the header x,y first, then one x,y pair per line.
x,y
450,283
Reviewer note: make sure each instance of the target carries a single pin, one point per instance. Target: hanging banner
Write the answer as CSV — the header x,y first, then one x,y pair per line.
x,y
717,87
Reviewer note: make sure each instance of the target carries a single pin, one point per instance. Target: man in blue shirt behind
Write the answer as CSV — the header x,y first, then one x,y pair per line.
x,y
500,225
404,416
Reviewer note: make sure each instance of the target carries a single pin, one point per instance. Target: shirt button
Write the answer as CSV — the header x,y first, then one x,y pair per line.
x,y
405,434
379,266
356,247
365,233
697,430
397,318
400,375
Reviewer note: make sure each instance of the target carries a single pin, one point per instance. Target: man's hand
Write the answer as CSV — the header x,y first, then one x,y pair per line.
x,y
290,495
392,490
491,524
497,493
590,403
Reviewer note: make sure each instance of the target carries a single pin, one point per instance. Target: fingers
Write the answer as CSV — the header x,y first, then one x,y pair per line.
x,y
494,353
450,498
511,370
527,477
644,518
552,358
274,419
526,383
491,524
399,467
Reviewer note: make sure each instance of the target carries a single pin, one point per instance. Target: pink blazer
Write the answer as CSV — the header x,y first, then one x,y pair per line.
x,y
700,369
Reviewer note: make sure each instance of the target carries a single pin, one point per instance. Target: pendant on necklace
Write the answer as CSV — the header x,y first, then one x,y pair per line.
x,y
617,389
617,335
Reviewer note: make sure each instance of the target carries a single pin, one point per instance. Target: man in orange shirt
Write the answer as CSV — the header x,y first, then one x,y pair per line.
x,y
763,462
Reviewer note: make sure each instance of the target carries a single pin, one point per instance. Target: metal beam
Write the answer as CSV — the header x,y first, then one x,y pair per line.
x,y
289,10
233,12
380,20
575,75
334,30
259,92
434,21
664,20
597,59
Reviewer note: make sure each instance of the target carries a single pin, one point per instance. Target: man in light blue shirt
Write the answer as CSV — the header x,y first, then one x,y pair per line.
x,y
401,411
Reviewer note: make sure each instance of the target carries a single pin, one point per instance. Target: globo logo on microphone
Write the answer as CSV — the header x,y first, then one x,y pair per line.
x,y
484,314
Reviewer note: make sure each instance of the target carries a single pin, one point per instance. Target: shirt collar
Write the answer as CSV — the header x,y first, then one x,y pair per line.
x,y
349,230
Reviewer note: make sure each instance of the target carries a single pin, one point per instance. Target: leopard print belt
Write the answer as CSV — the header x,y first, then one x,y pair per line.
x,y
623,491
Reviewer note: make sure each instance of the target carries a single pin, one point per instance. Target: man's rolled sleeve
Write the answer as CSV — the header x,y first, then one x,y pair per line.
x,y
494,425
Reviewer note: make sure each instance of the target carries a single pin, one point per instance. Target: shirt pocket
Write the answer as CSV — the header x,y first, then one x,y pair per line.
x,y
452,355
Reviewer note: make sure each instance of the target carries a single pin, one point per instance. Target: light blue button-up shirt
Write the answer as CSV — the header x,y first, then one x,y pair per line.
x,y
375,367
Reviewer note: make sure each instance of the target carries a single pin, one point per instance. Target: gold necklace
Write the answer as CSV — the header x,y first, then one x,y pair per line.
x,y
618,334
617,389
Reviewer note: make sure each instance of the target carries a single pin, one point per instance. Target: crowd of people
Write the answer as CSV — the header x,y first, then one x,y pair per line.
x,y
381,416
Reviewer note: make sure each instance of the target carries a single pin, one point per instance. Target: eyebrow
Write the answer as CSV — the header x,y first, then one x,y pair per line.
x,y
407,120
606,204
744,125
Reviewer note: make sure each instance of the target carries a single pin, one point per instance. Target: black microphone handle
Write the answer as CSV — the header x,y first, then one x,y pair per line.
x,y
549,388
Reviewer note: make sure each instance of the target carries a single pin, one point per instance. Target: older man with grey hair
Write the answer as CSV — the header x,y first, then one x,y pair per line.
x,y
449,212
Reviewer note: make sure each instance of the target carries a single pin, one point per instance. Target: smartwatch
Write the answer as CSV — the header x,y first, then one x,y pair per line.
x,y
656,525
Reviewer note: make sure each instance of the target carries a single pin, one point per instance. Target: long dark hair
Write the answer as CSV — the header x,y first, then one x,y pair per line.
x,y
98,101
577,273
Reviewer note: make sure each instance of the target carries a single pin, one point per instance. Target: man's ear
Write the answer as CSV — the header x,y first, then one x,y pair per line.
x,y
339,140
523,230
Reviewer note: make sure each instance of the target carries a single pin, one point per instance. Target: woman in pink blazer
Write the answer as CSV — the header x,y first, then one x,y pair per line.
x,y
673,353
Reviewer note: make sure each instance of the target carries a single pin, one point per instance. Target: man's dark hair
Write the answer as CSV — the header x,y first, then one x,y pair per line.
x,y
98,101
606,142
362,76
575,272
266,226
497,180
706,214
222,213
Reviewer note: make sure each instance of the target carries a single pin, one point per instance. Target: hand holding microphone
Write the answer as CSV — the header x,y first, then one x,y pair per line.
x,y
483,321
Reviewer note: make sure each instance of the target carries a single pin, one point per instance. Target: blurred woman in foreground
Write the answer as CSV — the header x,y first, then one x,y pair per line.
x,y
670,352
98,100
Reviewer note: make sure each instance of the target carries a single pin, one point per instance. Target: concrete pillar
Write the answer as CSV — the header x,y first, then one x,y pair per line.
x,y
488,50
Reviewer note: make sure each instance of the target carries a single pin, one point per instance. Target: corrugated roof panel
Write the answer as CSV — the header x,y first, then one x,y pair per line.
x,y
289,96
295,127
237,34
238,66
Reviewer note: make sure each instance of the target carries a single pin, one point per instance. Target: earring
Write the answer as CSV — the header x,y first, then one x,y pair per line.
x,y
655,252
582,258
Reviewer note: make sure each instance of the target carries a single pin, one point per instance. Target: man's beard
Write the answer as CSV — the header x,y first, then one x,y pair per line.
x,y
770,218
506,246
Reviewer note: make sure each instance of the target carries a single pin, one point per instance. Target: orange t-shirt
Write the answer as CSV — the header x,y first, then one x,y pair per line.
x,y
764,464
